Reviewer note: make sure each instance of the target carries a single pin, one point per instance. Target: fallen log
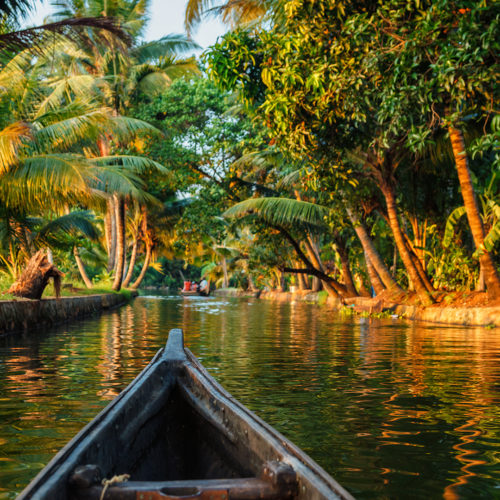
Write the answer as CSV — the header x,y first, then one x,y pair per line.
x,y
35,278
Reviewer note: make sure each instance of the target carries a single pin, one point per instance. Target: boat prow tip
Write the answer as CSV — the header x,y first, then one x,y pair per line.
x,y
174,350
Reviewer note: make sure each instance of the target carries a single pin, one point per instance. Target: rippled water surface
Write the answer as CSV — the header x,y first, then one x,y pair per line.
x,y
390,409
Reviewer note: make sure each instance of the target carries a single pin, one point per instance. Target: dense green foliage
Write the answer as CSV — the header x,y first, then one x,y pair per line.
x,y
350,146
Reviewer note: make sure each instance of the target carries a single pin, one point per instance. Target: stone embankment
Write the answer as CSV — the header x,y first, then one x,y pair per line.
x,y
25,314
464,316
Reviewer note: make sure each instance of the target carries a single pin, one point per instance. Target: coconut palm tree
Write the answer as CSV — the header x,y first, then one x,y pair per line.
x,y
125,74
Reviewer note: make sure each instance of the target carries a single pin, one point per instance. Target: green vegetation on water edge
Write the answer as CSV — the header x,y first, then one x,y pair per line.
x,y
348,147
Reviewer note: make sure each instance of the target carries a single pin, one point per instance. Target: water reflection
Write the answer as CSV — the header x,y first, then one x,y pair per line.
x,y
391,409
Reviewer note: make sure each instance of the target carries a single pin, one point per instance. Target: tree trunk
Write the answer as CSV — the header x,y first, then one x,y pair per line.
x,y
35,278
147,260
481,285
371,253
314,257
346,270
110,227
375,280
225,280
81,268
491,277
404,253
302,281
131,263
418,266
120,240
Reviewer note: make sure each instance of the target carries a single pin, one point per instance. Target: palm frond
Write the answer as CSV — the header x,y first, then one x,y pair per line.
x,y
72,28
79,86
493,237
66,126
125,128
11,138
16,8
451,223
81,222
166,46
282,211
133,164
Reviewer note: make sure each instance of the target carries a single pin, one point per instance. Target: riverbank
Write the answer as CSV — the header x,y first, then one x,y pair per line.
x,y
18,315
488,316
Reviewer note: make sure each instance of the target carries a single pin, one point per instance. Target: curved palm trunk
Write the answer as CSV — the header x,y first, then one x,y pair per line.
x,y
131,264
317,284
81,268
375,280
147,260
371,253
346,269
418,263
399,239
491,277
120,240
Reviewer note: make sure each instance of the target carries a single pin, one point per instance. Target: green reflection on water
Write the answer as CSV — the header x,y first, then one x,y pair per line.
x,y
390,409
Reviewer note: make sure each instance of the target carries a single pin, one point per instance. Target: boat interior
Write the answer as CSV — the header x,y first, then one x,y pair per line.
x,y
174,438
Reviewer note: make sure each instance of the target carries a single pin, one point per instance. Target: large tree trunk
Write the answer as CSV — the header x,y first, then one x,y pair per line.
x,y
120,241
35,278
491,277
390,200
371,253
81,268
145,266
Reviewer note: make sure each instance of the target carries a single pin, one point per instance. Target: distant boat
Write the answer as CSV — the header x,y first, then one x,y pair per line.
x,y
179,435
193,292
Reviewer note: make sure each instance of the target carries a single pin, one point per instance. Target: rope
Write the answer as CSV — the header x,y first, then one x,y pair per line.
x,y
108,482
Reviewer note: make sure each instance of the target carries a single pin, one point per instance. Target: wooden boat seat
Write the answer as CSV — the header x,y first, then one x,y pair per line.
x,y
278,481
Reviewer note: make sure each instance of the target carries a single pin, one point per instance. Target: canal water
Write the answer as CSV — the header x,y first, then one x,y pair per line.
x,y
389,408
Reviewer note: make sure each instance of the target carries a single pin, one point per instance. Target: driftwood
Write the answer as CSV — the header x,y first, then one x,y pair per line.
x,y
35,278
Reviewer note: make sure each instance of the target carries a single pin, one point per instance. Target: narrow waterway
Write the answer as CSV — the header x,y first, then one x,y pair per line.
x,y
391,409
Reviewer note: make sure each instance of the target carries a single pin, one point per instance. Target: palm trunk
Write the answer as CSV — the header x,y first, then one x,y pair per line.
x,y
81,268
418,265
147,260
346,270
301,280
131,263
371,253
110,222
491,277
120,240
399,239
375,280
314,257
225,281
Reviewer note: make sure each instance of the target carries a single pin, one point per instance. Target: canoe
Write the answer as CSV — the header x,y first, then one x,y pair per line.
x,y
193,292
178,434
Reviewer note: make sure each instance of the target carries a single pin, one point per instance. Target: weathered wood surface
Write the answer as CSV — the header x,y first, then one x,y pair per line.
x,y
179,434
35,278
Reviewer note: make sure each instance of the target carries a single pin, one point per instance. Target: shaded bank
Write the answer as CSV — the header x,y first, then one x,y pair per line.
x,y
25,314
464,316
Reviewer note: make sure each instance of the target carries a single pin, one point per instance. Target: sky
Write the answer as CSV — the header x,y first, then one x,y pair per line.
x,y
166,17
